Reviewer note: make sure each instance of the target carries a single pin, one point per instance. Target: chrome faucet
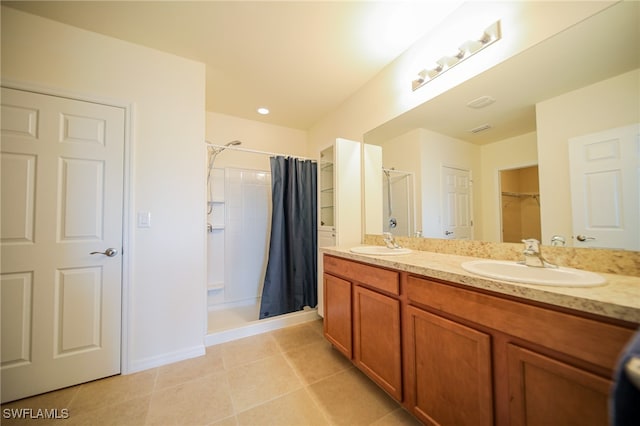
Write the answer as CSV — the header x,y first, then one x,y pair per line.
x,y
389,241
533,255
558,240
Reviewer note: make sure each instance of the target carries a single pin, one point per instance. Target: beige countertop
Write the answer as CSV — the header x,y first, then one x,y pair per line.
x,y
619,298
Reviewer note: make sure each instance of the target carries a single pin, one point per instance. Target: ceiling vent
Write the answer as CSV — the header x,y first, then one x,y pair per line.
x,y
480,128
481,102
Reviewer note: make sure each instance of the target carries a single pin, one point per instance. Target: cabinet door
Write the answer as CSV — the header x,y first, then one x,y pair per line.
x,y
544,391
377,349
448,371
337,313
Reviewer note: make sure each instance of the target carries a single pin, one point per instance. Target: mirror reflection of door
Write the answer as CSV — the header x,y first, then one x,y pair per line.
x,y
457,216
605,188
520,204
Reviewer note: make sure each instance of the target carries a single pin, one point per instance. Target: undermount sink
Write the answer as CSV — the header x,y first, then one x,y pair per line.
x,y
380,250
517,272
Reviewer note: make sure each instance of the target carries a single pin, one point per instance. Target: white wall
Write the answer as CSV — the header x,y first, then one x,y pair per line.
x,y
438,150
424,152
519,151
601,106
221,129
389,93
166,285
394,154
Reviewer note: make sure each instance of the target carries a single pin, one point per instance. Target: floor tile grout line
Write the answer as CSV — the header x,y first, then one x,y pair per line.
x,y
316,402
278,354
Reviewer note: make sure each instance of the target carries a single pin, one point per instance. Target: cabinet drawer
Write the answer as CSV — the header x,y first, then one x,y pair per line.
x,y
593,341
378,278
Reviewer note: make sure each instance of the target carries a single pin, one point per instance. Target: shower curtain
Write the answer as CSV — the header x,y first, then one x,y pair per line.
x,y
290,281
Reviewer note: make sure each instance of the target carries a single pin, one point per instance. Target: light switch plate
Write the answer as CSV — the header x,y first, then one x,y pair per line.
x,y
144,219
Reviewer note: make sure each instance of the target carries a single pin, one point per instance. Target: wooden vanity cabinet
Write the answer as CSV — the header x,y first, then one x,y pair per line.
x,y
545,391
370,333
532,364
377,341
454,355
448,371
337,314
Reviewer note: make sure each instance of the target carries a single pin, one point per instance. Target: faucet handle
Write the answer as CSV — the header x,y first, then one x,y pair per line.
x,y
389,240
531,246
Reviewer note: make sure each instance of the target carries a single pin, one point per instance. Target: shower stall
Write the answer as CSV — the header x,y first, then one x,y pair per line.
x,y
238,232
397,199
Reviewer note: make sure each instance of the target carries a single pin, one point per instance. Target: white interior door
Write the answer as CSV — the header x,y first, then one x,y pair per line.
x,y
61,199
457,221
605,188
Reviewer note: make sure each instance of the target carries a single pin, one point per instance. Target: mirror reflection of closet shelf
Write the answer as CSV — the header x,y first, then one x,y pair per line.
x,y
520,194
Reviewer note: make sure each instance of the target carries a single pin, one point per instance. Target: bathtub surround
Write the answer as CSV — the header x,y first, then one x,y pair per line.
x,y
239,239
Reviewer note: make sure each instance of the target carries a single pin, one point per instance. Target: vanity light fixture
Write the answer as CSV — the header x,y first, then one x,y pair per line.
x,y
466,50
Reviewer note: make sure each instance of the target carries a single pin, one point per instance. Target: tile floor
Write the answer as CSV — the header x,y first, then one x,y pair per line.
x,y
286,377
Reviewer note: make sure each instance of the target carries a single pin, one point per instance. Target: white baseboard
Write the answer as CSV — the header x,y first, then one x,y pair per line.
x,y
164,359
261,326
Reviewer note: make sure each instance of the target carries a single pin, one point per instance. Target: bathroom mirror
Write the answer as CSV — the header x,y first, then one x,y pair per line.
x,y
552,92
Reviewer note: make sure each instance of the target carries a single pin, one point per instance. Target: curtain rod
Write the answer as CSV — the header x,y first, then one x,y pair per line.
x,y
384,169
254,151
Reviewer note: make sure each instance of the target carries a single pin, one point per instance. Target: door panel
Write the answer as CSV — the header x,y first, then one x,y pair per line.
x,y
337,316
545,391
605,188
17,290
457,220
377,348
62,198
77,318
449,371
81,217
18,198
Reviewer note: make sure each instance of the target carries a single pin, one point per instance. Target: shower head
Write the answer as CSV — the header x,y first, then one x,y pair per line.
x,y
215,150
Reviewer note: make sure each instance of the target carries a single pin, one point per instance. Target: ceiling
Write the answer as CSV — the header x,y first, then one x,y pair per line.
x,y
300,59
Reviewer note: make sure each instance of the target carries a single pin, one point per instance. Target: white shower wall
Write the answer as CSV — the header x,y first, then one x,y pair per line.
x,y
237,256
401,203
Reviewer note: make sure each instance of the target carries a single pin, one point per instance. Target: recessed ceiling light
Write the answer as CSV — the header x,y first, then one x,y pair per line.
x,y
263,111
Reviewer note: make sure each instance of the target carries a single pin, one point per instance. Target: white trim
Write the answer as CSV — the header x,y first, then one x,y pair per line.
x,y
498,194
261,326
167,358
255,151
127,241
127,198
